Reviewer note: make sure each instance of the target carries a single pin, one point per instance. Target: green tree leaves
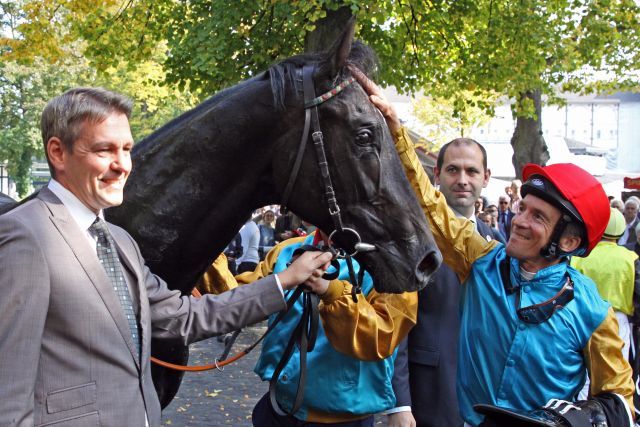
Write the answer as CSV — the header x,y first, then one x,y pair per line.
x,y
446,48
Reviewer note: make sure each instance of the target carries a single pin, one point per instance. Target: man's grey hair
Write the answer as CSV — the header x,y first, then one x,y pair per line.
x,y
632,201
63,115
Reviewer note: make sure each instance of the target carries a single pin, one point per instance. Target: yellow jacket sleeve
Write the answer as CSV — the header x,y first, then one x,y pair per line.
x,y
456,238
608,370
373,327
217,278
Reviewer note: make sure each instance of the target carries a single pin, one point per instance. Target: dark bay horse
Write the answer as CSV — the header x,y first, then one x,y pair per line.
x,y
197,179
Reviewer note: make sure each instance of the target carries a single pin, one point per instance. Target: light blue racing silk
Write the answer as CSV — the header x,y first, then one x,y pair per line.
x,y
336,383
506,362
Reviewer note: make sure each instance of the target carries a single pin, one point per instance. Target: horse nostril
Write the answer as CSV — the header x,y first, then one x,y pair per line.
x,y
428,265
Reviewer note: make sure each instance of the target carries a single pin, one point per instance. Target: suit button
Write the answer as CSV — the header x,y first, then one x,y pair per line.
x,y
284,378
510,362
527,288
522,326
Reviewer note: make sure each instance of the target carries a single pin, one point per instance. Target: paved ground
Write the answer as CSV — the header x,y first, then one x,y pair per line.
x,y
214,398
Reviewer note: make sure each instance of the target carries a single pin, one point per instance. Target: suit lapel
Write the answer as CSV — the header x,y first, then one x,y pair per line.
x,y
85,254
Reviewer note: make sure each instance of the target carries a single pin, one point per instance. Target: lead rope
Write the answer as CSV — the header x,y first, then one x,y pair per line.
x,y
220,363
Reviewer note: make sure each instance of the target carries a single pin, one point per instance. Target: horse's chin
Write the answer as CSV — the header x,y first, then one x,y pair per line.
x,y
392,275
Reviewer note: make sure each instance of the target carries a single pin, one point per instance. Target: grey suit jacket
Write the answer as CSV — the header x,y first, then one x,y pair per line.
x,y
66,354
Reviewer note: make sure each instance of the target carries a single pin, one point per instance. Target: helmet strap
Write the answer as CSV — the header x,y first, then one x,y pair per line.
x,y
552,250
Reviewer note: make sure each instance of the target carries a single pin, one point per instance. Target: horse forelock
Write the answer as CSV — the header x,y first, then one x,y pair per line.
x,y
283,74
365,58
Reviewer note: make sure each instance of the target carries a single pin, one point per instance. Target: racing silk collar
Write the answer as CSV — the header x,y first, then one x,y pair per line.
x,y
540,311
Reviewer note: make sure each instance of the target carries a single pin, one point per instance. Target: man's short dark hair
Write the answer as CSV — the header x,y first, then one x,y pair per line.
x,y
458,142
63,115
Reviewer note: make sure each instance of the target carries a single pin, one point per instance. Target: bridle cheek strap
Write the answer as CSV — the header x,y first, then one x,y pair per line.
x,y
312,123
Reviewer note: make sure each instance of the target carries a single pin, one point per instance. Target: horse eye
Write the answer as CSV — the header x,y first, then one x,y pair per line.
x,y
364,137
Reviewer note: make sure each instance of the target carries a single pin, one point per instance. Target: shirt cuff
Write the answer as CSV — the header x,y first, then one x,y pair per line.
x,y
279,284
396,410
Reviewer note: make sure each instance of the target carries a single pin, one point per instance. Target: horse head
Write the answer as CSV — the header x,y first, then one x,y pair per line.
x,y
363,195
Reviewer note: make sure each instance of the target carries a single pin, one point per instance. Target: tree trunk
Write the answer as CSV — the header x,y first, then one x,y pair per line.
x,y
328,30
527,140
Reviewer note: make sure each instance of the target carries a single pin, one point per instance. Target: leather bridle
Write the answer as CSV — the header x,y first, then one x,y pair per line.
x,y
312,122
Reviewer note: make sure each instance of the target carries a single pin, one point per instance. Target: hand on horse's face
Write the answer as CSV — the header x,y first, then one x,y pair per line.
x,y
377,98
308,265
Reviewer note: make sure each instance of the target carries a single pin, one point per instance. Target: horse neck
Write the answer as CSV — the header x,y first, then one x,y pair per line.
x,y
197,179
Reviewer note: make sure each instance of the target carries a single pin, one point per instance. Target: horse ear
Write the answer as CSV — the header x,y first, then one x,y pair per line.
x,y
337,55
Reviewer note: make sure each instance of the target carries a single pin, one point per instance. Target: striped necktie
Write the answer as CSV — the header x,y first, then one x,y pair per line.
x,y
108,257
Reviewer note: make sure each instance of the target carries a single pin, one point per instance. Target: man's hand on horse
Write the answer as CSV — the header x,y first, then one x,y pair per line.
x,y
307,268
377,98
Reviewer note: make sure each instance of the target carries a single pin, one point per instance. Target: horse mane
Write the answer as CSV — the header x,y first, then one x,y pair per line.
x,y
283,74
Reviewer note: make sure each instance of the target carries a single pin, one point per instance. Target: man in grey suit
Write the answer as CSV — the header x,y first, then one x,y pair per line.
x,y
78,306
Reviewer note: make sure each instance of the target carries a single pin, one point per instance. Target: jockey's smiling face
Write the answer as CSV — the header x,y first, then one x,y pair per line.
x,y
531,231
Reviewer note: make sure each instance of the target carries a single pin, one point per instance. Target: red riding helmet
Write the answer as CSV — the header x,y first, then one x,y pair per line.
x,y
576,193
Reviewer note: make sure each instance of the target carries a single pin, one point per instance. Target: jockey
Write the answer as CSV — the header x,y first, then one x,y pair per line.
x,y
339,389
530,323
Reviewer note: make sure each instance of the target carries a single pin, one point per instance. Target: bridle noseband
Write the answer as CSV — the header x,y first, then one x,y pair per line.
x,y
312,121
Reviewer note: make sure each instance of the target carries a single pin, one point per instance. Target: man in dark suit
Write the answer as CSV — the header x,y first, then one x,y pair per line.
x,y
425,376
505,215
492,210
79,307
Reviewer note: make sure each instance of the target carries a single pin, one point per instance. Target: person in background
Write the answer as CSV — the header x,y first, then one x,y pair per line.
x,y
628,238
504,216
515,195
614,270
492,209
250,235
478,206
485,217
286,226
340,390
232,252
618,204
267,233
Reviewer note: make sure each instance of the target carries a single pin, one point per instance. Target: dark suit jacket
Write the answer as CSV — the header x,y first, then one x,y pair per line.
x,y
504,223
426,365
631,241
67,354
